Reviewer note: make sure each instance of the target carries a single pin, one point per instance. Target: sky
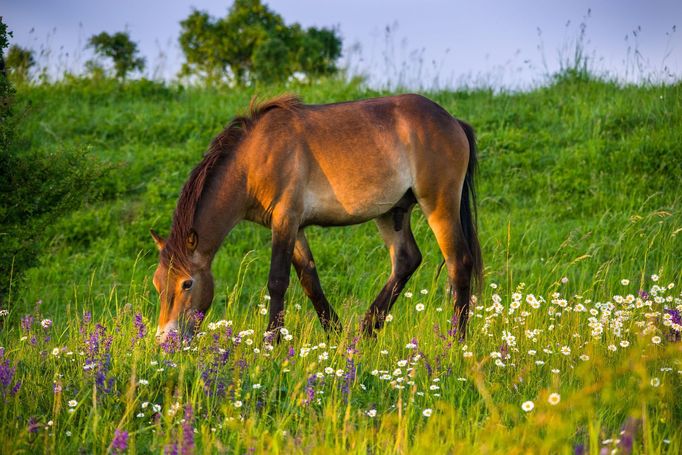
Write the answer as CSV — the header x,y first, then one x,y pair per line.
x,y
418,44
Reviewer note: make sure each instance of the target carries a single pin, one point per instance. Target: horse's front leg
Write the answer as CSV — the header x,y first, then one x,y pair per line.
x,y
284,231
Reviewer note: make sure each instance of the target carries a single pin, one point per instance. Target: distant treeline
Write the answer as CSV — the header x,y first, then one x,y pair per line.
x,y
250,44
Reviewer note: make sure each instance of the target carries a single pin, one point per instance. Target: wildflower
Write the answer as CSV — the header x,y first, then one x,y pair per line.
x,y
564,280
612,348
624,344
383,352
72,403
424,291
532,301
188,431
4,313
554,399
565,350
527,406
419,307
389,318
655,382
329,370
493,285
467,354
656,339
624,281
408,295
237,404
410,345
402,363
654,278
46,323
256,386
120,442
263,311
556,371
427,412
372,413
55,352
156,407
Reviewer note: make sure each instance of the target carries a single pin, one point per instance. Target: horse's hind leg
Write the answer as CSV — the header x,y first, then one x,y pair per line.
x,y
445,223
307,274
394,227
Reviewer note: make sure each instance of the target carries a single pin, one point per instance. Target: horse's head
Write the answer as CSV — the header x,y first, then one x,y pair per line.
x,y
185,293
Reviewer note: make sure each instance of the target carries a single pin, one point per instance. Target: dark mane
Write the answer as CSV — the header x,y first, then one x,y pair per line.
x,y
224,143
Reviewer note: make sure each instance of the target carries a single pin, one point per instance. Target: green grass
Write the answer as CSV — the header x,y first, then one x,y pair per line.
x,y
579,179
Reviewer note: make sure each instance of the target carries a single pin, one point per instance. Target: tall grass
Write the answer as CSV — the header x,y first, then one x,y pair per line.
x,y
578,191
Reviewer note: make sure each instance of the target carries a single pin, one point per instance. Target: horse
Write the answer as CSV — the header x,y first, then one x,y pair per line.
x,y
287,165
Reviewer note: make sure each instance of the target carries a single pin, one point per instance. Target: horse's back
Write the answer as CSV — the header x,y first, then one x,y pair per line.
x,y
351,162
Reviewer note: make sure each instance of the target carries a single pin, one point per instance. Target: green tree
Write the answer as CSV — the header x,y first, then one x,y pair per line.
x,y
121,49
19,62
252,43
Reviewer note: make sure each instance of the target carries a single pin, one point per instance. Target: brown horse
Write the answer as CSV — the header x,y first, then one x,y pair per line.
x,y
288,165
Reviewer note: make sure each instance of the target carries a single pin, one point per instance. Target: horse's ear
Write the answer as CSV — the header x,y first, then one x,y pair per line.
x,y
192,240
160,242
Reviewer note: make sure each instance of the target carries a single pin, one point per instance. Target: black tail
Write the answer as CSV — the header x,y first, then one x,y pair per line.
x,y
468,213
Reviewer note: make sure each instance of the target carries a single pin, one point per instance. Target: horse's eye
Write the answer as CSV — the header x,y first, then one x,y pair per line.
x,y
187,285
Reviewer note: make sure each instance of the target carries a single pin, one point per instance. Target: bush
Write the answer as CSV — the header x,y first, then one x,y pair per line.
x,y
36,187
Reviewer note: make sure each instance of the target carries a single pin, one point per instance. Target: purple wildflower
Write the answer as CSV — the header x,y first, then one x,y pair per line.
x,y
643,294
33,425
453,323
291,353
98,357
627,435
140,326
7,377
26,323
120,442
172,342
310,390
271,335
188,431
348,378
171,449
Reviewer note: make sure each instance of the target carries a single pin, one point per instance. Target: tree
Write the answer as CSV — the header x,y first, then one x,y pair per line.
x,y
252,43
121,49
19,62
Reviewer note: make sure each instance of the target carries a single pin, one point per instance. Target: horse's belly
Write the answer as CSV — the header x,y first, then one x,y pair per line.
x,y
356,201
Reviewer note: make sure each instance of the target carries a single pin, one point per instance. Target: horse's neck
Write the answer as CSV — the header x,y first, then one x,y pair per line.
x,y
220,209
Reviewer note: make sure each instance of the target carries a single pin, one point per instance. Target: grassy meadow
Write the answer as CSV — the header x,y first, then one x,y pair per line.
x,y
573,346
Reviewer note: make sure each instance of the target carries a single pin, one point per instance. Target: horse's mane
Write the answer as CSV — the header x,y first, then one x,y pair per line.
x,y
224,143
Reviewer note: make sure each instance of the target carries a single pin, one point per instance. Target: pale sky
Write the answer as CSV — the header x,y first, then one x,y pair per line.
x,y
432,43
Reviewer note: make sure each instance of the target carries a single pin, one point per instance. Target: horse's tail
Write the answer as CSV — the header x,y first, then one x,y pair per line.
x,y
467,210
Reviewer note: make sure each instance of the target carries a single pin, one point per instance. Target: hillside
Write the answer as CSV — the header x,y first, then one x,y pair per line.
x,y
578,179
